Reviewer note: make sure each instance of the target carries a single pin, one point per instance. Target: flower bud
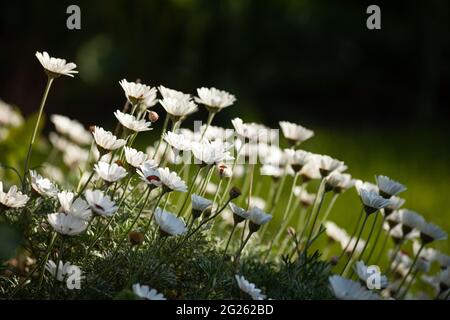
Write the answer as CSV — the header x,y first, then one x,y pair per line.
x,y
136,238
234,193
153,116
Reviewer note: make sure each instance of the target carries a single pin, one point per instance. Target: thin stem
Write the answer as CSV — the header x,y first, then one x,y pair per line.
x,y
250,188
356,244
47,254
329,208
191,187
383,246
409,270
372,228
284,220
413,277
164,128
125,234
393,268
211,115
355,229
321,193
85,186
229,240
238,255
377,237
36,126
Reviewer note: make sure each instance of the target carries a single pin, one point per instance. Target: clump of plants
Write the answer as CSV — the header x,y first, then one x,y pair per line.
x,y
208,213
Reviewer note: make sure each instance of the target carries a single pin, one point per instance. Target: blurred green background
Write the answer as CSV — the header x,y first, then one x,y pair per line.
x,y
376,99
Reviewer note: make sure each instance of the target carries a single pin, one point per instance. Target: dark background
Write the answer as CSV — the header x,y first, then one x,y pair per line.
x,y
312,60
377,99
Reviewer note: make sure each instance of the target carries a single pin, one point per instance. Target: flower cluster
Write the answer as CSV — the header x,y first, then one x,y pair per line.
x,y
116,196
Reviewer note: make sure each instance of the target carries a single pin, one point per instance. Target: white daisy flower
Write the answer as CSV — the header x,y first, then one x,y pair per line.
x,y
295,133
359,184
327,164
9,116
63,269
56,67
65,199
137,93
430,232
273,171
149,173
42,186
363,274
409,220
13,198
67,224
395,204
147,293
252,131
109,173
389,187
214,99
257,218
199,204
78,208
171,181
349,243
132,123
71,129
177,141
210,153
239,214
135,158
307,199
310,171
297,158
74,156
100,203
249,288
338,182
345,289
178,108
372,201
335,233
168,223
106,140
215,132
170,93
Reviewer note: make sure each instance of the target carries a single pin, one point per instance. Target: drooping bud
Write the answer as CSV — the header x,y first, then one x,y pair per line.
x,y
234,193
153,116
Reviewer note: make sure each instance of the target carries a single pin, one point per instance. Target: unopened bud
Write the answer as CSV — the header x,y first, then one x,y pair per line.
x,y
291,232
92,128
224,171
153,116
234,193
136,238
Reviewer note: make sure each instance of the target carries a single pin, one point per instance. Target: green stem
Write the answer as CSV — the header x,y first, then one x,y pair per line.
x,y
229,240
355,229
125,234
356,244
238,255
211,115
329,208
377,237
317,206
409,270
191,187
36,126
164,128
